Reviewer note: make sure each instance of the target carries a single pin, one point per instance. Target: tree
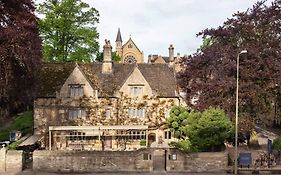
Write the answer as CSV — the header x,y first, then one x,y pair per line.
x,y
177,121
68,30
208,130
211,72
20,55
116,58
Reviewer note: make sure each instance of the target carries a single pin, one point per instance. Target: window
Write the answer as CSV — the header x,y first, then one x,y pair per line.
x,y
108,113
133,112
146,156
74,114
130,46
167,113
77,136
137,135
167,135
130,59
76,90
136,91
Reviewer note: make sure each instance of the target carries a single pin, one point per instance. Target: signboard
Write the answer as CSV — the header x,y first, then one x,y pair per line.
x,y
15,135
245,159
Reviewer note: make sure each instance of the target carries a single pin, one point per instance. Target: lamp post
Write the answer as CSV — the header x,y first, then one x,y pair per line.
x,y
236,113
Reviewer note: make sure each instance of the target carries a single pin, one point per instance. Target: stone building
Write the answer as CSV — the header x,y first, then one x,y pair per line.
x,y
104,106
129,52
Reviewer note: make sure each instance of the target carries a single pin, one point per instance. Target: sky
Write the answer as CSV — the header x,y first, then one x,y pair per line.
x,y
155,24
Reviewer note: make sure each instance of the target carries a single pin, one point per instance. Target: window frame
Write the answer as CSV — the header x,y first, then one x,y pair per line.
x,y
76,90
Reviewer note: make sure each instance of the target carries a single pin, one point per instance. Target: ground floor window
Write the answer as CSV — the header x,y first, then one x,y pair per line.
x,y
77,136
167,135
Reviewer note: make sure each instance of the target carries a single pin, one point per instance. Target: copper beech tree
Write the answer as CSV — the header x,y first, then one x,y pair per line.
x,y
210,74
20,55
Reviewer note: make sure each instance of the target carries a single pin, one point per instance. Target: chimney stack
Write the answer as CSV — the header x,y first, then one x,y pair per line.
x,y
171,53
107,59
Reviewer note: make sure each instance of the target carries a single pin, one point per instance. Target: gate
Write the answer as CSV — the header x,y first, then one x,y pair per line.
x,y
159,160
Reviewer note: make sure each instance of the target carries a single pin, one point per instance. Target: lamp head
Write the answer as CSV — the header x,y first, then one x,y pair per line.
x,y
243,52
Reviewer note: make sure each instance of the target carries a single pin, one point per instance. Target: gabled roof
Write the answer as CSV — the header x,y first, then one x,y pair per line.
x,y
133,43
52,76
159,76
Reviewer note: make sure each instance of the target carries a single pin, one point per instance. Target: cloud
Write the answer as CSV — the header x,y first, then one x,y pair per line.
x,y
155,24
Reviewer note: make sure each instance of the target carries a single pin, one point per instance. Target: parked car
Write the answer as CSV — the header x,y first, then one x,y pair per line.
x,y
5,143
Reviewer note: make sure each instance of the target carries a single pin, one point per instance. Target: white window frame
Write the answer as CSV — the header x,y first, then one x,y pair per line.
x,y
136,91
76,90
135,112
108,112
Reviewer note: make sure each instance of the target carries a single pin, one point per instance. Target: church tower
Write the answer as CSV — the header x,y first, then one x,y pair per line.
x,y
118,46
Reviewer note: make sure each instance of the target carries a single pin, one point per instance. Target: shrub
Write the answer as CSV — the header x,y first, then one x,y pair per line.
x,y
277,143
142,142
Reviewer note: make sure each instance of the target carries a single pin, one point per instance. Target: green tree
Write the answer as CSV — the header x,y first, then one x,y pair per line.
x,y
68,30
208,130
116,58
277,143
177,121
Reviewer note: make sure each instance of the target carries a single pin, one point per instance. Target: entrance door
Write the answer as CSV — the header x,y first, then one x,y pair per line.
x,y
151,139
159,160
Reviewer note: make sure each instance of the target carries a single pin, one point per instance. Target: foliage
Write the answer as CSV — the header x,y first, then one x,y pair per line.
x,y
68,30
178,121
23,123
142,142
184,145
211,72
14,145
277,143
116,58
208,130
20,55
4,135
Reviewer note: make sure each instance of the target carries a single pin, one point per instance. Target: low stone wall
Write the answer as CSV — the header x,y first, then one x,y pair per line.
x,y
2,160
196,162
11,161
14,161
91,161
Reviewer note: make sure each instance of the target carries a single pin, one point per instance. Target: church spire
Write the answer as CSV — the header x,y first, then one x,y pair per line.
x,y
119,38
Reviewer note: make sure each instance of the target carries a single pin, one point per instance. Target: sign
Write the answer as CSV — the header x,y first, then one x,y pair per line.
x,y
245,159
15,135
269,146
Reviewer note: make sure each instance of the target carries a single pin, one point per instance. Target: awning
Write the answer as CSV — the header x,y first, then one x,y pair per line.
x,y
30,140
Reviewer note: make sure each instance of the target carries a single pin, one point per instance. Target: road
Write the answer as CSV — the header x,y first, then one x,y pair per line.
x,y
28,172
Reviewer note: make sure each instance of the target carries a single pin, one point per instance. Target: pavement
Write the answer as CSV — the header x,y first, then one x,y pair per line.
x,y
30,172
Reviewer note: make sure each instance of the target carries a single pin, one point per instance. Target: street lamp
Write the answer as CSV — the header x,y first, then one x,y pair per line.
x,y
236,112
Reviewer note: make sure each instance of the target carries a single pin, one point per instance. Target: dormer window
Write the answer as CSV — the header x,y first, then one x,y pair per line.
x,y
76,90
136,91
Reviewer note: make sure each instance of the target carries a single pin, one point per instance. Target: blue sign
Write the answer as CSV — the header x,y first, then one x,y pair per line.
x,y
245,159
269,146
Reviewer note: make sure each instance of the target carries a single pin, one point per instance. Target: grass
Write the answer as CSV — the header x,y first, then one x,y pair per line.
x,y
22,123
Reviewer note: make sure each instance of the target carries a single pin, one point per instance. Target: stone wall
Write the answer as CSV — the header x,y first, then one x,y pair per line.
x,y
196,162
91,161
11,161
14,161
2,160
